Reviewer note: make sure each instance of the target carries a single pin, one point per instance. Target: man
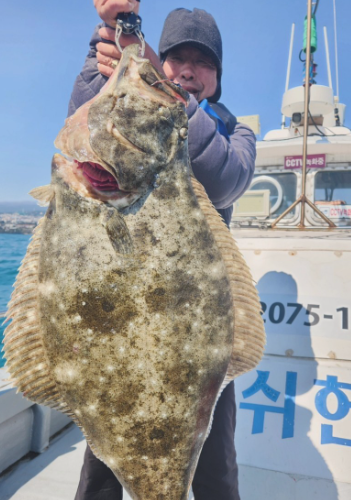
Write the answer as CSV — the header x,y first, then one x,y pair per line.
x,y
222,154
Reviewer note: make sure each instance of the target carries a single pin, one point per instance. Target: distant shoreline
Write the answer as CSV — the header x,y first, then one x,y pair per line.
x,y
17,231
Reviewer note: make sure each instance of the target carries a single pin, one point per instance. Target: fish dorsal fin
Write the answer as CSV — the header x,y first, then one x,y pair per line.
x,y
23,343
249,337
44,194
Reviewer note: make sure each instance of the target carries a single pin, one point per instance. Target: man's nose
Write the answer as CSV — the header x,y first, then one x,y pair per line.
x,y
187,72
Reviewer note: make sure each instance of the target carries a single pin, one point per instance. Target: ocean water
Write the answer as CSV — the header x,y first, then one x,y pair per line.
x,y
12,250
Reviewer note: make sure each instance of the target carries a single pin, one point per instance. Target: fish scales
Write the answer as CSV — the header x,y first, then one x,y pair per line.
x,y
139,318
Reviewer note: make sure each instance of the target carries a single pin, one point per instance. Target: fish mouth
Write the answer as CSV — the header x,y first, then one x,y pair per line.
x,y
99,182
98,177
91,180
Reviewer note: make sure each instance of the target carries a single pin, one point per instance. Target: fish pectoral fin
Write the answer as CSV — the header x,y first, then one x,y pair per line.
x,y
43,194
118,232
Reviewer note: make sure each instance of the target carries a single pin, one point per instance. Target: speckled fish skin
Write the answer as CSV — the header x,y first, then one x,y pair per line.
x,y
130,315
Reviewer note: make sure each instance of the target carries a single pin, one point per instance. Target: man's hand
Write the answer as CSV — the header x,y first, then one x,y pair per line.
x,y
108,10
107,53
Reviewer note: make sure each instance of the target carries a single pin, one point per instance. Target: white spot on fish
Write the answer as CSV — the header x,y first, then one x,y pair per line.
x,y
92,408
145,457
84,290
84,303
77,319
84,361
111,461
53,320
102,379
113,420
186,347
40,366
78,412
187,305
61,307
200,372
120,439
140,413
215,351
47,288
66,372
121,349
103,341
110,368
130,477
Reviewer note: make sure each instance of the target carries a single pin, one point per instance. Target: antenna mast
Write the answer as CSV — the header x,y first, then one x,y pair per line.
x,y
328,59
308,82
336,54
289,65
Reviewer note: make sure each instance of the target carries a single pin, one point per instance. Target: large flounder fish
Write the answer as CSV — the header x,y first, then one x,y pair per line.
x,y
133,307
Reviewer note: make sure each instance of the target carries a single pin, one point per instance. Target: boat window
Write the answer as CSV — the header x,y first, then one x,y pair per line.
x,y
282,191
332,194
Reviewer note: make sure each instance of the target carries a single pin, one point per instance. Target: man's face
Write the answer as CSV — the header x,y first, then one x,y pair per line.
x,y
193,70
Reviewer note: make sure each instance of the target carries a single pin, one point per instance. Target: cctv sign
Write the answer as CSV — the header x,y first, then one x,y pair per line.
x,y
313,161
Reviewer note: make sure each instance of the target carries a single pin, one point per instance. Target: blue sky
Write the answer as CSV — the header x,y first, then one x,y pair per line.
x,y
43,45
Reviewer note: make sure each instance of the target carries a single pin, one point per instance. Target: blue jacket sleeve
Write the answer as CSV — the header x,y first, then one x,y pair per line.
x,y
225,168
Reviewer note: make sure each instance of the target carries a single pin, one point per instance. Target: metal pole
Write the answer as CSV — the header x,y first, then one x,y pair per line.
x,y
307,101
336,54
328,59
289,65
290,56
303,199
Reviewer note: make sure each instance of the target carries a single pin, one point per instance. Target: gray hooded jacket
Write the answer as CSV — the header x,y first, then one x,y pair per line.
x,y
224,167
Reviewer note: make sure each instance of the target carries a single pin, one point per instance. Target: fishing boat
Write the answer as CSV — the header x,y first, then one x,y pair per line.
x,y
293,226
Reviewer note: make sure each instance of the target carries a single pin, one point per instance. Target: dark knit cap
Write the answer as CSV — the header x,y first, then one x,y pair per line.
x,y
197,28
